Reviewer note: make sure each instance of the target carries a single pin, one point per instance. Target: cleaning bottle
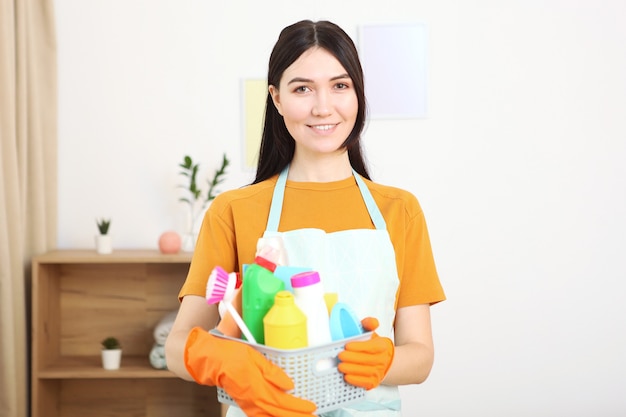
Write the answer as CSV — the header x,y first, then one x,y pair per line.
x,y
285,324
309,297
259,288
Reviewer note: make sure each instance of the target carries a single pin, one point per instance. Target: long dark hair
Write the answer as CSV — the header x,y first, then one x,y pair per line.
x,y
277,145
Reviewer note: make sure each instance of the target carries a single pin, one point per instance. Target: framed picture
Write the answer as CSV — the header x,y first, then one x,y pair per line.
x,y
394,59
254,94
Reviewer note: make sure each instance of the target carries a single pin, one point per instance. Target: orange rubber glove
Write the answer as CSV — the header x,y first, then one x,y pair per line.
x,y
257,385
365,364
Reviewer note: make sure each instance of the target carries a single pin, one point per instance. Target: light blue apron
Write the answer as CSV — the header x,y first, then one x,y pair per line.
x,y
360,266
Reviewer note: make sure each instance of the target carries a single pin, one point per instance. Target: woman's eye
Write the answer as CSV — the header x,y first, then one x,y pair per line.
x,y
302,89
341,86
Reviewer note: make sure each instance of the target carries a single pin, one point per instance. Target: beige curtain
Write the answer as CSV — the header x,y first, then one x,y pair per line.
x,y
28,165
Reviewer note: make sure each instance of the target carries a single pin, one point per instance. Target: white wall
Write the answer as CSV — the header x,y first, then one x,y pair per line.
x,y
519,169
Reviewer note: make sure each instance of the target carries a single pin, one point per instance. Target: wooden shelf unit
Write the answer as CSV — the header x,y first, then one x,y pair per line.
x,y
78,299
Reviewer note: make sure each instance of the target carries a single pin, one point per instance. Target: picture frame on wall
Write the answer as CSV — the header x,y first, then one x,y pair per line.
x,y
253,97
395,65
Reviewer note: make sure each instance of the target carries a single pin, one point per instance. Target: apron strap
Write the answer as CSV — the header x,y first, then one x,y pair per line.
x,y
279,194
372,208
277,201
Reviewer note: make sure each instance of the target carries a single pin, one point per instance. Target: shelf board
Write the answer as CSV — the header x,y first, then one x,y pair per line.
x,y
132,256
90,367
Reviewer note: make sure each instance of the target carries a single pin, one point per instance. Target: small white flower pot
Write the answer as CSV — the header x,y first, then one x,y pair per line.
x,y
189,242
103,244
111,359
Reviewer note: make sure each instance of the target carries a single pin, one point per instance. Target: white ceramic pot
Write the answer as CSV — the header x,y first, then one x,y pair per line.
x,y
103,244
111,359
189,242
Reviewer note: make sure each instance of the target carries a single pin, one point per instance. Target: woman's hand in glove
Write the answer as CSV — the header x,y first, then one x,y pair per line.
x,y
258,386
365,364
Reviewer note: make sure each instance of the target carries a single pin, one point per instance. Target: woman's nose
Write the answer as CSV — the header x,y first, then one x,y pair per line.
x,y
322,106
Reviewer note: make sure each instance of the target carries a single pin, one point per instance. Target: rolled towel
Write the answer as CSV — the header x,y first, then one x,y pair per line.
x,y
157,357
163,328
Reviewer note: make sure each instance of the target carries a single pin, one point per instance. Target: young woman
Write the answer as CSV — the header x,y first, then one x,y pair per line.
x,y
312,190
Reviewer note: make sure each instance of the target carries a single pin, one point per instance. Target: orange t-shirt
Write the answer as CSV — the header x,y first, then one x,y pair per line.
x,y
236,219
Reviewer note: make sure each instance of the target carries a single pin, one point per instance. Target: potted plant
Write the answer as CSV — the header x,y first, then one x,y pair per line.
x,y
111,353
195,198
103,239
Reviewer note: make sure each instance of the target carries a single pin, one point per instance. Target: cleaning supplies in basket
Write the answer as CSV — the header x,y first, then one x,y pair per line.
x,y
259,292
313,369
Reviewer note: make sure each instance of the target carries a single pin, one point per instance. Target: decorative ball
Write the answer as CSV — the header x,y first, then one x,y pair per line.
x,y
170,242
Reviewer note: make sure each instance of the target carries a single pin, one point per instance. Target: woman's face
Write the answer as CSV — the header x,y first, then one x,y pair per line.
x,y
317,100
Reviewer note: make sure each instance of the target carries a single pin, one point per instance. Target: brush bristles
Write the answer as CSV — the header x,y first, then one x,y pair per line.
x,y
216,285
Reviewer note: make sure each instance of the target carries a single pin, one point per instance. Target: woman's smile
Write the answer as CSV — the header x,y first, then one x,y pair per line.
x,y
324,128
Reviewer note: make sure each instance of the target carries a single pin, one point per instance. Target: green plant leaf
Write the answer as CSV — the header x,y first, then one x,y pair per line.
x,y
190,170
103,225
111,343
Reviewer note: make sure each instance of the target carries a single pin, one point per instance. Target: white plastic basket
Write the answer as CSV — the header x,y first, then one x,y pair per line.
x,y
313,371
